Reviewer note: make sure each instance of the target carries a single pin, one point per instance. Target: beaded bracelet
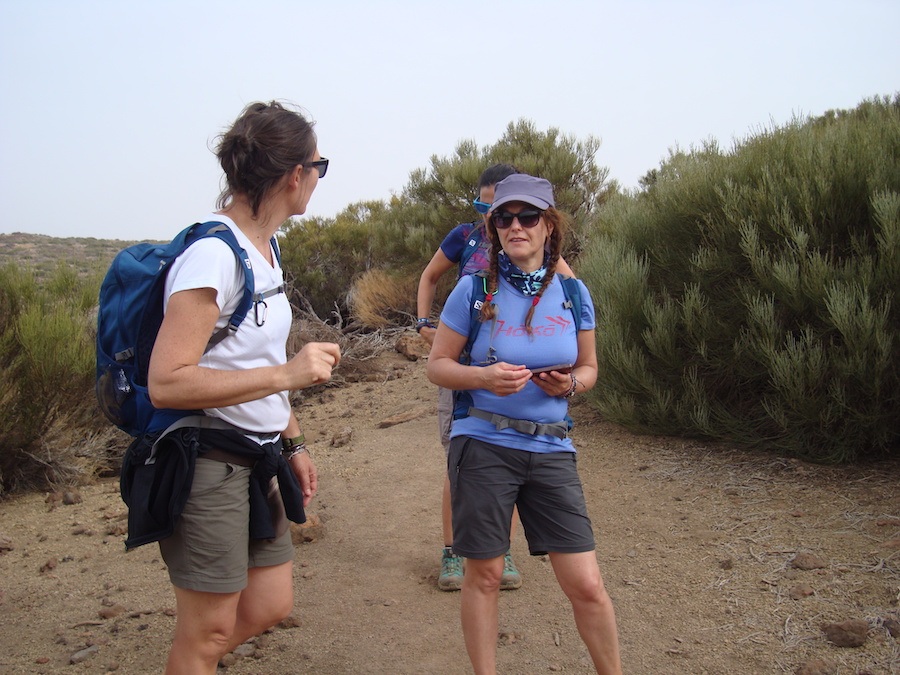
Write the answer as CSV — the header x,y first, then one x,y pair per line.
x,y
571,392
293,451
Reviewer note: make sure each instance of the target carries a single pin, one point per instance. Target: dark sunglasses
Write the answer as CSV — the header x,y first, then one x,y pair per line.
x,y
320,164
504,219
480,206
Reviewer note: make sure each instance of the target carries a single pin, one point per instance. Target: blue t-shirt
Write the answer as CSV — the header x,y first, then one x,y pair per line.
x,y
554,340
459,239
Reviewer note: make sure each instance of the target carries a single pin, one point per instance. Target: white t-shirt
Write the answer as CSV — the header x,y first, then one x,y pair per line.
x,y
210,263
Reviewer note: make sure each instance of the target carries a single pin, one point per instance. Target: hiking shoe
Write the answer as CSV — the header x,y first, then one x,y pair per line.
x,y
511,578
451,576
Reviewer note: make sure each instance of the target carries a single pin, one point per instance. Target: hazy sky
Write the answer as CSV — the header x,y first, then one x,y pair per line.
x,y
110,108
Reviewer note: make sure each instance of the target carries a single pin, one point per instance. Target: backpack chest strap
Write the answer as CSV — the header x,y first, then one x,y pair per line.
x,y
265,295
557,429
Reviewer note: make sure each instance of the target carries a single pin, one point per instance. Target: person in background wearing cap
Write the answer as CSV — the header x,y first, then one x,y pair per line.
x,y
467,248
513,447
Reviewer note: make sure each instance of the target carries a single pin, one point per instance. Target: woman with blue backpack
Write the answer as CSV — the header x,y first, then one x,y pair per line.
x,y
510,444
230,556
466,248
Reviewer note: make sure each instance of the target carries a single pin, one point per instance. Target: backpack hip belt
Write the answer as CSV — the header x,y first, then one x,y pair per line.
x,y
557,429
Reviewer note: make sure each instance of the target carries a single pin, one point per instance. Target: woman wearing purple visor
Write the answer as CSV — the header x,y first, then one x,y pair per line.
x,y
466,248
510,444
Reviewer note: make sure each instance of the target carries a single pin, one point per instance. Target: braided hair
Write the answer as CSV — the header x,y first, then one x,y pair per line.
x,y
558,223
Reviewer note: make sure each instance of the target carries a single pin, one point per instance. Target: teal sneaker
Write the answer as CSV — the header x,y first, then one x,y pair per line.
x,y
511,578
451,576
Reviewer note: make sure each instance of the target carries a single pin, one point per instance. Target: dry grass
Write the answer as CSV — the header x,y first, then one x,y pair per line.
x,y
356,343
380,300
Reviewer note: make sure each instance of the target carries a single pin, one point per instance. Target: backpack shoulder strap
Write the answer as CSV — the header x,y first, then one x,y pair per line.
x,y
222,231
276,249
479,294
263,295
572,293
462,400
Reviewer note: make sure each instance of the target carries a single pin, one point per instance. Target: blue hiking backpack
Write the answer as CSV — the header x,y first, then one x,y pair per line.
x,y
462,400
129,317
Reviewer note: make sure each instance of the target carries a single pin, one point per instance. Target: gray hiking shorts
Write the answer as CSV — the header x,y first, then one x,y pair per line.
x,y
211,549
487,480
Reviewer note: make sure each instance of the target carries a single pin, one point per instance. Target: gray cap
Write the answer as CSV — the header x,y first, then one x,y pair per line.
x,y
520,187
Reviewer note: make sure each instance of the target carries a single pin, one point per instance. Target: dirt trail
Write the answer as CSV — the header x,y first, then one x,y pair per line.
x,y
698,547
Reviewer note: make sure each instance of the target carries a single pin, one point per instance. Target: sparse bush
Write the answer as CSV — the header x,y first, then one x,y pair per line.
x,y
381,299
320,258
47,358
752,296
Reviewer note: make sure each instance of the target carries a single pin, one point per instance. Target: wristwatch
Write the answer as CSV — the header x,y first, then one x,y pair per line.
x,y
422,322
288,443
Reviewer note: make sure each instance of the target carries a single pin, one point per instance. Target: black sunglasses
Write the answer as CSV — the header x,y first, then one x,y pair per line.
x,y
320,164
504,219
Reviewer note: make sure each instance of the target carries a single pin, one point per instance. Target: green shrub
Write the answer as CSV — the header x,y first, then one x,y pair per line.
x,y
48,360
752,296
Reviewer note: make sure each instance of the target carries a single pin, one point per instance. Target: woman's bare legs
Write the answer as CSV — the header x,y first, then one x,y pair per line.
x,y
209,625
268,599
480,597
203,631
579,577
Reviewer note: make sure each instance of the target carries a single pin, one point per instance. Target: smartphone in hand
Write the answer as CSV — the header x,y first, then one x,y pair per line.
x,y
559,367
